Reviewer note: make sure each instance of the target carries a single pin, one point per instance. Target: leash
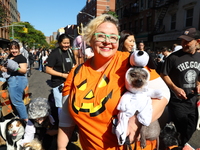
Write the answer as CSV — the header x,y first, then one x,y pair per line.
x,y
198,108
171,147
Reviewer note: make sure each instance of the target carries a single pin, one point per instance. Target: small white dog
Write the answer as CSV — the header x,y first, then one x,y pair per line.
x,y
137,100
12,131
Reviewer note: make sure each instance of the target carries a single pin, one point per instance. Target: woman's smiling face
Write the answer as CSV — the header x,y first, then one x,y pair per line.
x,y
65,44
105,49
129,43
14,50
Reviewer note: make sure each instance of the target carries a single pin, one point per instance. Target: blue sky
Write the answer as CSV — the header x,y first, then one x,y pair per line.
x,y
49,15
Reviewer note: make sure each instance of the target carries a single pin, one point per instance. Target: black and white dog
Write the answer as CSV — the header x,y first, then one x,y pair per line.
x,y
12,130
169,138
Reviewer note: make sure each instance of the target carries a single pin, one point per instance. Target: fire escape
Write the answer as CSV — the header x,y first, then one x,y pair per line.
x,y
163,7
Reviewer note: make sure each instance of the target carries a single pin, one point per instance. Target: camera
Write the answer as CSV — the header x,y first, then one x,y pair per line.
x,y
60,88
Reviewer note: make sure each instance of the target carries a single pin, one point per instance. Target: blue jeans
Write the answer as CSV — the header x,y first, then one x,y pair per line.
x,y
16,86
40,65
58,96
2,79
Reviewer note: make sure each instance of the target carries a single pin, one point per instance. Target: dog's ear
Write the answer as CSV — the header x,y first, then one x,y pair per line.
x,y
8,136
23,122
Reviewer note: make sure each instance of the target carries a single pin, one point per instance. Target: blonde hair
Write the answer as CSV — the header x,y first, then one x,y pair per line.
x,y
90,29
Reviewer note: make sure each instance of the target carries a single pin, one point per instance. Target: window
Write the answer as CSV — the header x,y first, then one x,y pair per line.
x,y
117,12
173,21
150,4
141,24
141,3
134,8
121,13
149,23
189,17
124,26
130,26
107,8
136,27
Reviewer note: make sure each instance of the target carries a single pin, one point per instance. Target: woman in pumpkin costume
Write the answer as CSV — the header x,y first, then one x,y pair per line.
x,y
92,92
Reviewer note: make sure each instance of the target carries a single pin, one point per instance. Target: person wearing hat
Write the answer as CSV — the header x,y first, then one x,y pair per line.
x,y
181,72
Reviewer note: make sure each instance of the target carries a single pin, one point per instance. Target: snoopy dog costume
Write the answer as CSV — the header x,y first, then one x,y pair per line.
x,y
137,100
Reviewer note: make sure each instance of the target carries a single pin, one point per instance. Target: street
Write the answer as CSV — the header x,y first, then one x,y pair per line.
x,y
39,83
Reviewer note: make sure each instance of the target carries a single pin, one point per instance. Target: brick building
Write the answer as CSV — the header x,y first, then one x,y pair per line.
x,y
94,8
158,22
13,15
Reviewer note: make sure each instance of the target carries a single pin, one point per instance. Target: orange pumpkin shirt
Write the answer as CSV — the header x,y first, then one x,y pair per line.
x,y
93,100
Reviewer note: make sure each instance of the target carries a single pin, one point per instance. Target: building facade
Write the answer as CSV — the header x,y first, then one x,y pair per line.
x,y
94,8
13,15
158,22
181,15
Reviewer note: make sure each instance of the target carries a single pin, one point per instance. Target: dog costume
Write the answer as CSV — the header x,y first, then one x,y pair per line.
x,y
37,108
12,134
135,99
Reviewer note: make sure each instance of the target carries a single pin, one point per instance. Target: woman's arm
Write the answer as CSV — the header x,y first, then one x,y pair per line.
x,y
50,71
66,126
22,68
158,106
64,134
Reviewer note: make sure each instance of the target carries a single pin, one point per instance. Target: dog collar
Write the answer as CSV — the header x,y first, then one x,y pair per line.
x,y
173,146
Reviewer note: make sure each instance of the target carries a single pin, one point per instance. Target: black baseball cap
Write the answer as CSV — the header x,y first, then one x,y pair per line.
x,y
190,34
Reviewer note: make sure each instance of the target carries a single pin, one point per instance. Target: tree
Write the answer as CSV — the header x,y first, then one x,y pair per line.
x,y
32,38
3,15
111,13
52,44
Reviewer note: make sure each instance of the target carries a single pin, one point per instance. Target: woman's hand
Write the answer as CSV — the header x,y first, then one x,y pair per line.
x,y
3,69
51,71
134,127
64,75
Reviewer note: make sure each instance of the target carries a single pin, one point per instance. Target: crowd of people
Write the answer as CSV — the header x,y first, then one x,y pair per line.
x,y
88,79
